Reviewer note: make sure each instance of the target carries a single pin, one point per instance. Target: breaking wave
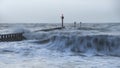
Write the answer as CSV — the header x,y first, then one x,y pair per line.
x,y
90,44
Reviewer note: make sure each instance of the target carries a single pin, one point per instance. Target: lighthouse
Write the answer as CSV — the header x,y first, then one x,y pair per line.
x,y
62,18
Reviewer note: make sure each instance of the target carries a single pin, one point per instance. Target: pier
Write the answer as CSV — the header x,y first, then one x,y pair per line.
x,y
56,28
20,37
50,29
11,37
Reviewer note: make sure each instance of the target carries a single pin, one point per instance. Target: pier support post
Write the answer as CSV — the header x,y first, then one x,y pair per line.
x,y
11,37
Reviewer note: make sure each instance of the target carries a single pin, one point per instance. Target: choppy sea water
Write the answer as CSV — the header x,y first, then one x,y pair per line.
x,y
89,46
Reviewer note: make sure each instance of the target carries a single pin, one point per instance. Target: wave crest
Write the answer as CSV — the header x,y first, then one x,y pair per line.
x,y
94,44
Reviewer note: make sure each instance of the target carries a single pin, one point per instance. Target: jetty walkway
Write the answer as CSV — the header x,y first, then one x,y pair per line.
x,y
50,29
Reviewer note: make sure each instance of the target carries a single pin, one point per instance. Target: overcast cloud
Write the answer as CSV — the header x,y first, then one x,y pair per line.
x,y
49,11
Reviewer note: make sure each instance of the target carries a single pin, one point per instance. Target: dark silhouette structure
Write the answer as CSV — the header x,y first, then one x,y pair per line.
x,y
62,18
12,37
50,29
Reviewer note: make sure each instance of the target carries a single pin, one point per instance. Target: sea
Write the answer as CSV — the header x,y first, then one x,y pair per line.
x,y
86,45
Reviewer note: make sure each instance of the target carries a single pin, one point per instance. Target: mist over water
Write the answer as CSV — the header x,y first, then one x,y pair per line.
x,y
88,46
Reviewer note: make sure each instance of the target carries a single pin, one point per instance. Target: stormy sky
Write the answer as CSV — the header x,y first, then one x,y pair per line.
x,y
49,11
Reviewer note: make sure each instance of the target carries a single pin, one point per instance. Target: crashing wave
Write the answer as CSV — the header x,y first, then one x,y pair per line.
x,y
94,44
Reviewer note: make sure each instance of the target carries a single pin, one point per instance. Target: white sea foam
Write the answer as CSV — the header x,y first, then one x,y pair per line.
x,y
92,46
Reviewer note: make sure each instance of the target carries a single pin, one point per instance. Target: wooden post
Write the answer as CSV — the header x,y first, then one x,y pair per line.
x,y
12,37
62,18
74,24
80,24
